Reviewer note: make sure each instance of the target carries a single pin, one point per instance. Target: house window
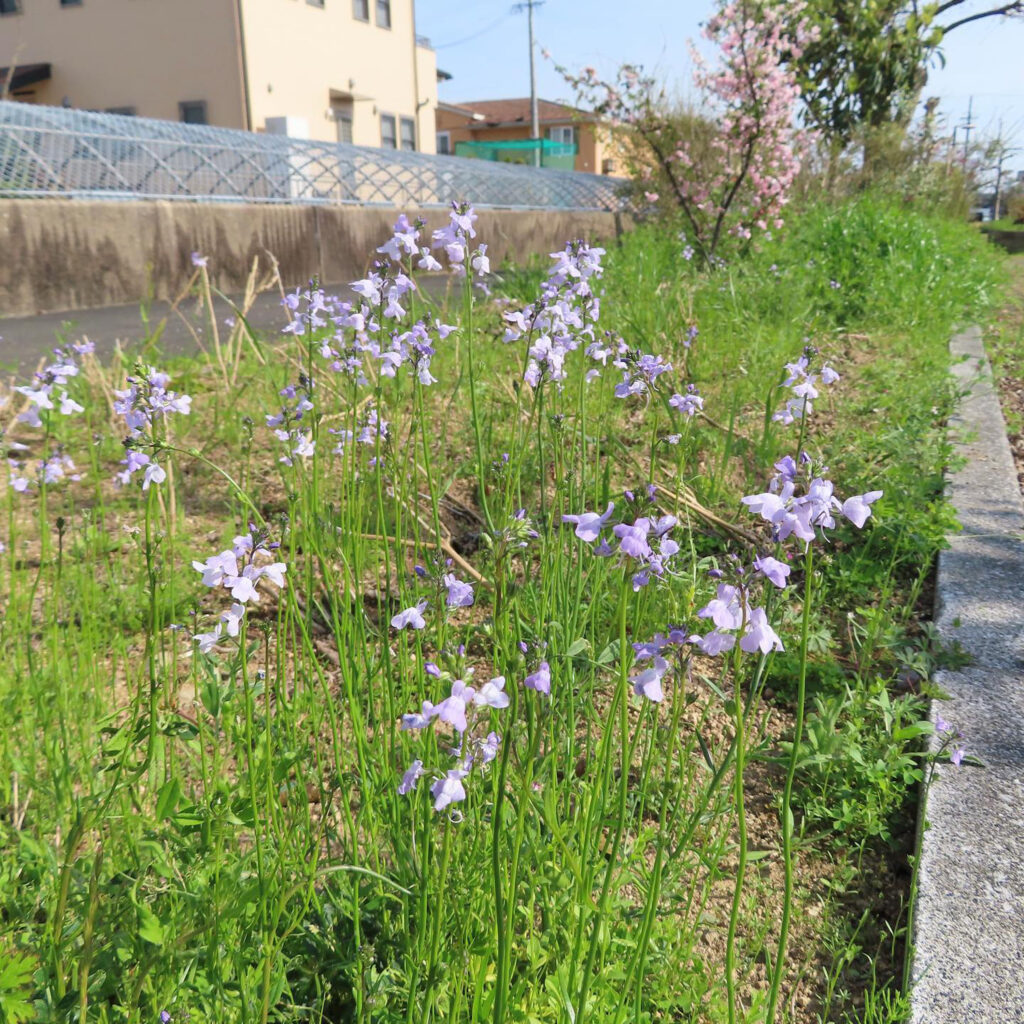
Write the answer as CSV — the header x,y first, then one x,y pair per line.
x,y
444,143
9,7
341,111
388,138
361,10
315,3
71,3
408,133
564,134
384,13
192,112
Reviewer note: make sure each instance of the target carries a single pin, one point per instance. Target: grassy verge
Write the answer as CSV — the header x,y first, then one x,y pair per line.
x,y
262,790
1004,225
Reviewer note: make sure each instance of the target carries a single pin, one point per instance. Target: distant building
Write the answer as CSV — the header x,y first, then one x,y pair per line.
x,y
333,70
500,130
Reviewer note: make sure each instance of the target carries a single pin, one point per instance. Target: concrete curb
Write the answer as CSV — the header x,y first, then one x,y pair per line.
x,y
968,965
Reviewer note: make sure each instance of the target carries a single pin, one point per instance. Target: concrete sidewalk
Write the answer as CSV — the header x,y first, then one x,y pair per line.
x,y
968,965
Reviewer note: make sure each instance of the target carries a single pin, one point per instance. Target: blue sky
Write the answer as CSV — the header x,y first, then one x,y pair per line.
x,y
484,46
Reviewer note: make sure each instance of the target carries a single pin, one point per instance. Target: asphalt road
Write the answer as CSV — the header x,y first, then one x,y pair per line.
x,y
25,340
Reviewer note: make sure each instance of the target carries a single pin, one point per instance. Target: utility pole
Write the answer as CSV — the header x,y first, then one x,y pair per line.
x,y
968,127
528,6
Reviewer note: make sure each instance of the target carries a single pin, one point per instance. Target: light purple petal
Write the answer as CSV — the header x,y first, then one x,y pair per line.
x,y
540,680
410,617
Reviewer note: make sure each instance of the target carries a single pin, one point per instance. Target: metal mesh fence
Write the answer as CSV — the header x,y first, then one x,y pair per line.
x,y
52,151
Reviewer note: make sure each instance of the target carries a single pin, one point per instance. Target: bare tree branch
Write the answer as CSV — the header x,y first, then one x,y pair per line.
x,y
1017,7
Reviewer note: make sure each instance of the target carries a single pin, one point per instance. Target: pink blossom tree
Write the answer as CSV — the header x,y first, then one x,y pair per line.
x,y
733,176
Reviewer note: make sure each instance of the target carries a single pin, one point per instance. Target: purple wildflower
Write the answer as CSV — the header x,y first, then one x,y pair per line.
x,y
492,694
452,710
857,510
800,515
633,538
772,569
540,680
421,719
410,617
590,524
460,594
488,747
449,790
648,682
411,777
689,404
726,610
714,643
403,241
760,635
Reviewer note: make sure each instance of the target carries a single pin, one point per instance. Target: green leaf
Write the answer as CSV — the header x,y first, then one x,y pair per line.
x,y
168,797
577,647
150,928
706,752
16,971
189,818
909,732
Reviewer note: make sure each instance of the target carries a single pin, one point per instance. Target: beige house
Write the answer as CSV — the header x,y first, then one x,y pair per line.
x,y
332,70
479,122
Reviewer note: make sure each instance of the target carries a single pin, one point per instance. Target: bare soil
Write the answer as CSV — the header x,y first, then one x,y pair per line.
x,y
1005,343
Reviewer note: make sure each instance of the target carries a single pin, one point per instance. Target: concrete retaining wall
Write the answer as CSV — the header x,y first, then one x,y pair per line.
x,y
76,254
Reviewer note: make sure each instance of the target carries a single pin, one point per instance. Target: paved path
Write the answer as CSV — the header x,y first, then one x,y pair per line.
x,y
25,340
969,925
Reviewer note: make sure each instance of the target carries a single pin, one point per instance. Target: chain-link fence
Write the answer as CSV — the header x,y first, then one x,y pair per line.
x,y
52,151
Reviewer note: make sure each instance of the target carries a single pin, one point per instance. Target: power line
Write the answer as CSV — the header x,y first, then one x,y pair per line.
x,y
476,35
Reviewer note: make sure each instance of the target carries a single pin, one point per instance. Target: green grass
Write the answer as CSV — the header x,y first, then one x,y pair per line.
x,y
1004,224
219,836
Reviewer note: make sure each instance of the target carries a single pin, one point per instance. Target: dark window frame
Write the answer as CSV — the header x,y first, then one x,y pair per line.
x,y
394,131
71,3
8,7
447,137
185,105
385,6
361,10
403,123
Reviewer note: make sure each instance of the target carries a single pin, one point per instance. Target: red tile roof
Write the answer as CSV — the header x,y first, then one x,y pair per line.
x,y
518,111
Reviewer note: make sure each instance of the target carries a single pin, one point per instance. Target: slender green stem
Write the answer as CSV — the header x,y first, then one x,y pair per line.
x,y
779,966
739,804
622,697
